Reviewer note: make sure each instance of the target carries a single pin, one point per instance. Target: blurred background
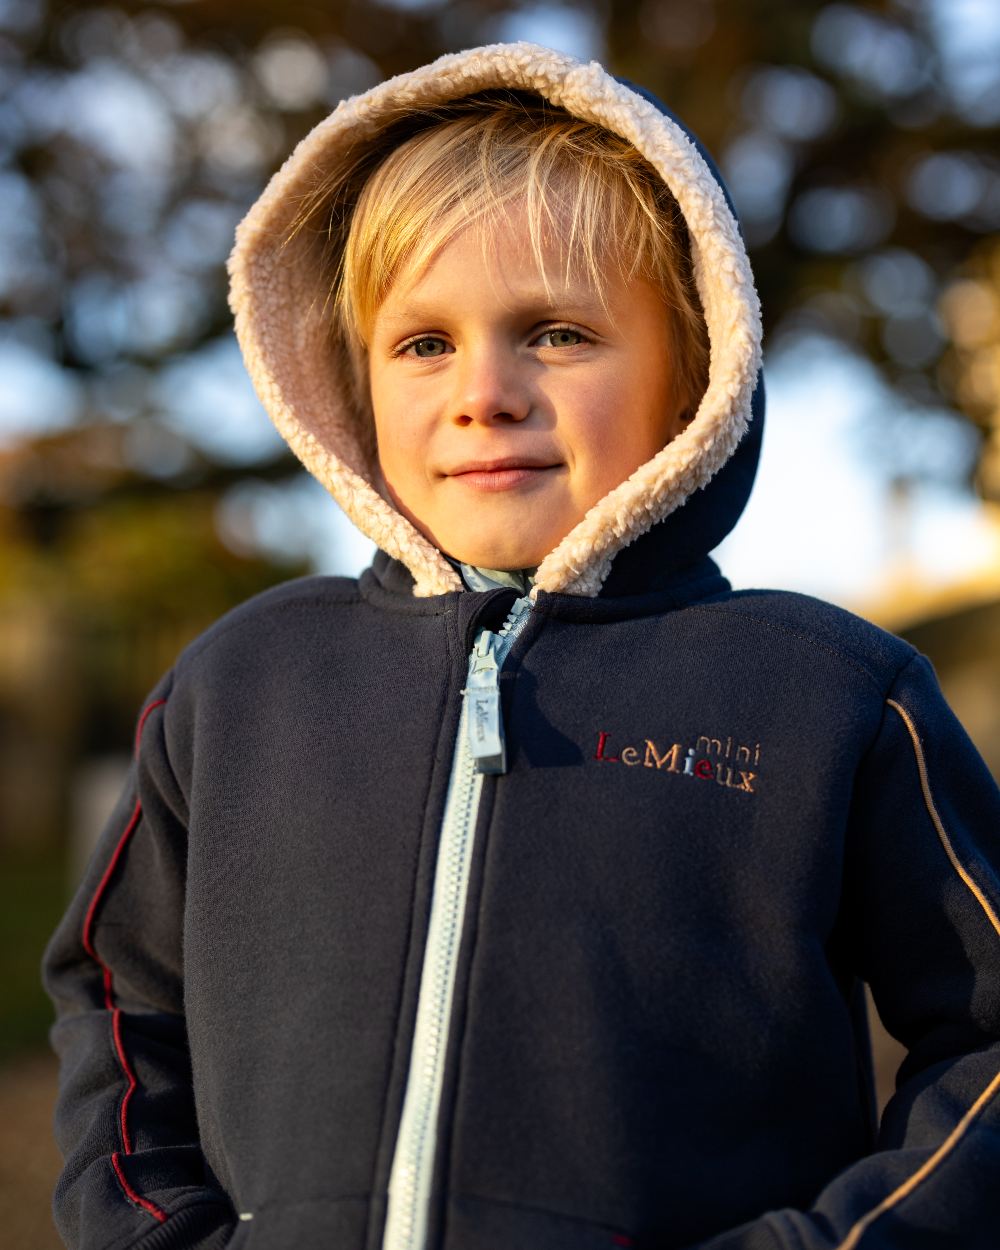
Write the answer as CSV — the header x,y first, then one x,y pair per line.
x,y
143,491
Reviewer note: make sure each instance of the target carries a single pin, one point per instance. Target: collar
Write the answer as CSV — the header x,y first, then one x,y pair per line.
x,y
477,578
648,577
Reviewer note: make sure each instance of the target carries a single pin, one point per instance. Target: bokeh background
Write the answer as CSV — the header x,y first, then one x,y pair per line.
x,y
143,491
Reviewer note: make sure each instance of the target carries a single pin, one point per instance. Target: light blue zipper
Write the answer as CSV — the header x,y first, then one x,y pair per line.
x,y
479,749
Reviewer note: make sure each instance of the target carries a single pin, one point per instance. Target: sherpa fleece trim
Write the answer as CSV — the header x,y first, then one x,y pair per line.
x,y
285,342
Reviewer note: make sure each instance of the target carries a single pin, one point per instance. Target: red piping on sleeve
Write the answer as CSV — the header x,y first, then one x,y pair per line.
x,y
146,1205
102,885
116,1026
109,996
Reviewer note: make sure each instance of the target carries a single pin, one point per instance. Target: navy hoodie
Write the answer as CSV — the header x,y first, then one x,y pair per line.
x,y
348,972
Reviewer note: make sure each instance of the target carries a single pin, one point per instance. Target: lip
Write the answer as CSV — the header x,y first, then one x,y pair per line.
x,y
501,464
502,474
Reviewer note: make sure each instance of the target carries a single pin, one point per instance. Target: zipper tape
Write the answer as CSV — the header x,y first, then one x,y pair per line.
x,y
479,750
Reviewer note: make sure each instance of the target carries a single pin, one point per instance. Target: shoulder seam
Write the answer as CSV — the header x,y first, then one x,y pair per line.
x,y
206,640
814,641
936,820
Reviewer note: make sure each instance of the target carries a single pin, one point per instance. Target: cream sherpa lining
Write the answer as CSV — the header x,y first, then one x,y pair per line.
x,y
285,344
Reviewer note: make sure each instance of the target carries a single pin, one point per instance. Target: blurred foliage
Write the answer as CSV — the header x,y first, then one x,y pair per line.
x,y
970,364
138,497
32,897
106,574
140,493
141,486
860,142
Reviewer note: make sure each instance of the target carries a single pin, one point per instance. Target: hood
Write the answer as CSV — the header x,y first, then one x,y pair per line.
x,y
693,490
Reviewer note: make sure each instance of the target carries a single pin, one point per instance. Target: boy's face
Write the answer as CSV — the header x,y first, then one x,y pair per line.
x,y
502,415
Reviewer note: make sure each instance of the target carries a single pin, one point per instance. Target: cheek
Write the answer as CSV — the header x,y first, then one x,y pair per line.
x,y
398,429
396,441
621,422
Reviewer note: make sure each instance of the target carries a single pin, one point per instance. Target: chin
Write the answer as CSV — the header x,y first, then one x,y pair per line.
x,y
499,556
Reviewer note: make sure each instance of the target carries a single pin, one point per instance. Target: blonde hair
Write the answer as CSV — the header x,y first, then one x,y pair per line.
x,y
584,188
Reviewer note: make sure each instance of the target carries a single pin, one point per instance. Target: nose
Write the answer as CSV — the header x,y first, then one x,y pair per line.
x,y
490,386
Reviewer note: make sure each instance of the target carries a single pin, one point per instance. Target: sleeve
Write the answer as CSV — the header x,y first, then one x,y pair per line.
x,y
134,1174
922,885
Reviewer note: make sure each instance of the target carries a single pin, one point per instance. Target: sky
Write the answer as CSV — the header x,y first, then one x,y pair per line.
x,y
823,517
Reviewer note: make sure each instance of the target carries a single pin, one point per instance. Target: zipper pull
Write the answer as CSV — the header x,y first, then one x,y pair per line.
x,y
482,695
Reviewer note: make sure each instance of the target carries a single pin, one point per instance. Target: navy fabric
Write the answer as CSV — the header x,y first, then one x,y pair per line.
x,y
722,811
713,823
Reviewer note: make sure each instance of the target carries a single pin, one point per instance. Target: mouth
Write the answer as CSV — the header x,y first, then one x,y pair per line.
x,y
502,474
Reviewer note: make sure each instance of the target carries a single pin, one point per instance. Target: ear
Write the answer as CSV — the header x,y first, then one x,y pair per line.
x,y
682,416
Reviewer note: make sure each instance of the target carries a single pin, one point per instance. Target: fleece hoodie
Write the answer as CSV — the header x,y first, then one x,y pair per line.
x,y
313,994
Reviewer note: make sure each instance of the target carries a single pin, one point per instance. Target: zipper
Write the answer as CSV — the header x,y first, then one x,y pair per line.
x,y
479,750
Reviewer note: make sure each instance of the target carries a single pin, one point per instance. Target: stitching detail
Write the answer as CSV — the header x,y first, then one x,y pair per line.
x,y
814,641
784,1229
116,1028
87,938
951,1141
130,1193
936,819
88,922
908,1186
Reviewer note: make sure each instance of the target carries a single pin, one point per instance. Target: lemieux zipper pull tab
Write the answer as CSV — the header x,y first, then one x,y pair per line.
x,y
484,720
482,694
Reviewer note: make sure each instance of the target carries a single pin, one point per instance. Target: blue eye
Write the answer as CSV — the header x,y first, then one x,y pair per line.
x,y
561,336
426,348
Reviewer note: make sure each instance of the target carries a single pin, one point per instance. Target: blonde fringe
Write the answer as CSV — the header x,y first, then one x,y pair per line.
x,y
295,358
471,164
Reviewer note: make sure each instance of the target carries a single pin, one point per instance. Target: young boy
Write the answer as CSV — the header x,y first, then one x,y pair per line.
x,y
518,895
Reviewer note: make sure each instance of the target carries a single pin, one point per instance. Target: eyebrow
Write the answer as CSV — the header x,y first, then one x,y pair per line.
x,y
539,304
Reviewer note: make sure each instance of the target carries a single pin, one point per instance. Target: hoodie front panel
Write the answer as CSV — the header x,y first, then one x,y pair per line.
x,y
653,976
646,969
326,875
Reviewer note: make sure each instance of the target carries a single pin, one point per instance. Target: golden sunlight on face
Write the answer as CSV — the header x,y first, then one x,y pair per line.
x,y
502,414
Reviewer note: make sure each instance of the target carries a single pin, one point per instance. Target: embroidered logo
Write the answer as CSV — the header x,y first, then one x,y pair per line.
x,y
733,766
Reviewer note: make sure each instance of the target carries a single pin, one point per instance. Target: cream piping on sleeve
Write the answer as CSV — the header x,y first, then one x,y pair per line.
x,y
925,786
958,1132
